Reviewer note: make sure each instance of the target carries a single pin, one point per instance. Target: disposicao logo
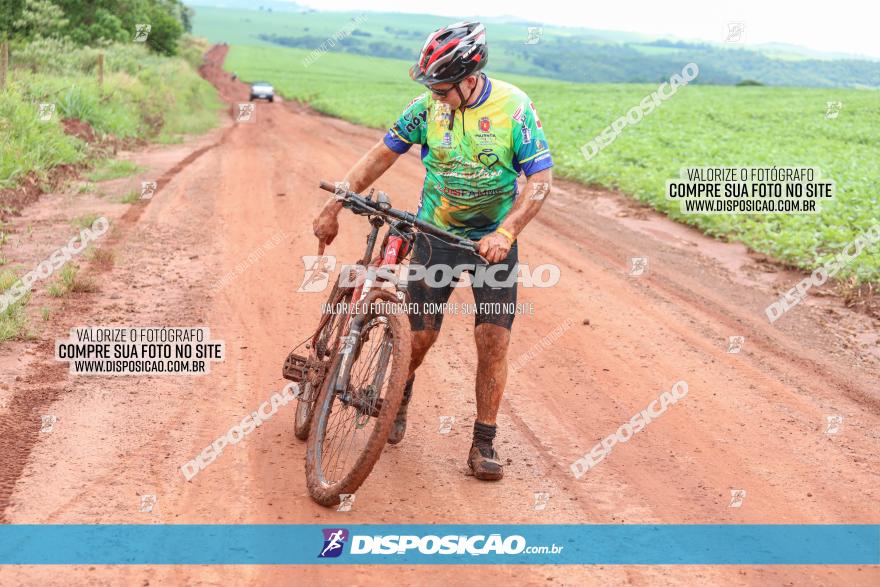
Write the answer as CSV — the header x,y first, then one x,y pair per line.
x,y
334,540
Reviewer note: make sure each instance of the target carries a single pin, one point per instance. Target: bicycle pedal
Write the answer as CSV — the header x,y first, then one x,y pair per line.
x,y
296,367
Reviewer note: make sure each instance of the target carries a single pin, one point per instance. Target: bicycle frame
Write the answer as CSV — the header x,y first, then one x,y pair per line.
x,y
377,211
355,318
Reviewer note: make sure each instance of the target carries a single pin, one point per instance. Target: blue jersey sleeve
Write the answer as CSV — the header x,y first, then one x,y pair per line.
x,y
531,152
410,128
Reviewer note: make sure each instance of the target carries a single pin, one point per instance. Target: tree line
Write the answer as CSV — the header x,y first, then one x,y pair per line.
x,y
97,22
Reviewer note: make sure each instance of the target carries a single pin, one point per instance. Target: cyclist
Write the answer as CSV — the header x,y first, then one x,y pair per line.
x,y
476,134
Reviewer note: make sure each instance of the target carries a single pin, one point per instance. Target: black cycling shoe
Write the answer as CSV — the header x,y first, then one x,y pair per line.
x,y
484,462
399,427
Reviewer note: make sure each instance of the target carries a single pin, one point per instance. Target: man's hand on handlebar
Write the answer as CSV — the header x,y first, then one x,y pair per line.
x,y
494,247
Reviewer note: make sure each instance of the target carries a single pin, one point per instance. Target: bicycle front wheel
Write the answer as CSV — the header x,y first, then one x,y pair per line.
x,y
351,425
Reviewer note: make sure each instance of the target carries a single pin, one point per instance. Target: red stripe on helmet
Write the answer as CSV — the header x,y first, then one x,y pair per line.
x,y
425,54
441,51
429,49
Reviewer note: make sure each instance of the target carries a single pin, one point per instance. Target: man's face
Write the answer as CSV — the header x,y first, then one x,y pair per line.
x,y
446,92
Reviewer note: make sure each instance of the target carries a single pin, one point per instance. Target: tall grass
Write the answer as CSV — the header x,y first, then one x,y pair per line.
x,y
145,96
13,320
27,144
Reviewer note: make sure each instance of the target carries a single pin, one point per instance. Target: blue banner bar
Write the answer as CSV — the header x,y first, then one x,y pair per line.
x,y
716,544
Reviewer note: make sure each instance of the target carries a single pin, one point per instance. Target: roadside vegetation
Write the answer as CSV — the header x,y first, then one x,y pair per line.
x,y
78,78
112,169
144,96
84,80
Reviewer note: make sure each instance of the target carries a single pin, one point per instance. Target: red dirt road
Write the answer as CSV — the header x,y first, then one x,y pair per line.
x,y
754,420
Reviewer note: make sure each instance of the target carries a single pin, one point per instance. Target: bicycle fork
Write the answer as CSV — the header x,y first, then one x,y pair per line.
x,y
349,343
364,400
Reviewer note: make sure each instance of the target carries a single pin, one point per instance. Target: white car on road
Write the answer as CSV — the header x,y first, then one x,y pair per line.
x,y
262,90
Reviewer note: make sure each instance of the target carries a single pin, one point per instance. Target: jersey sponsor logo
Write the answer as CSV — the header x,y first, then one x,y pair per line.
x,y
471,173
485,124
485,138
540,145
413,101
447,140
535,112
542,157
471,194
487,158
442,113
526,135
519,115
416,120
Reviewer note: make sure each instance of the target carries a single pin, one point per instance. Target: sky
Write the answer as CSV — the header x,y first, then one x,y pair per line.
x,y
843,26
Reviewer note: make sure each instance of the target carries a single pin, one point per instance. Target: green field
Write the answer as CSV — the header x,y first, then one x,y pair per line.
x,y
393,33
700,126
408,30
565,54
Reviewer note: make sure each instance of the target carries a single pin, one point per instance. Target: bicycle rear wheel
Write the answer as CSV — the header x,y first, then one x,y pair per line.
x,y
351,426
326,342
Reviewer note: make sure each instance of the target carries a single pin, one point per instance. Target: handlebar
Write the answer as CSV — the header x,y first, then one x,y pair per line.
x,y
382,207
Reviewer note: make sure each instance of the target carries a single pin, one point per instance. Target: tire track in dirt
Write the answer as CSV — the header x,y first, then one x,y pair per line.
x,y
21,423
699,300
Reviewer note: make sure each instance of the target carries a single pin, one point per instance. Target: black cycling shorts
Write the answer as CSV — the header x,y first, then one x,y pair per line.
x,y
492,305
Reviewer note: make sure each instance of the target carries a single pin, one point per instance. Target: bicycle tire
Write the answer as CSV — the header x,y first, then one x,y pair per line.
x,y
328,494
305,408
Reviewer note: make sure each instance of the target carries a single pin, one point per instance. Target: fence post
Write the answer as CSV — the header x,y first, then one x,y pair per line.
x,y
101,72
4,64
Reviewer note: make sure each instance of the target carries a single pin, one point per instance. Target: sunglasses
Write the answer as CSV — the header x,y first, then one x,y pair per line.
x,y
441,93
444,93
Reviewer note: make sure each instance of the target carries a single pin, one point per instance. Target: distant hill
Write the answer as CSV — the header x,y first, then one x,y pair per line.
x,y
785,50
572,54
273,5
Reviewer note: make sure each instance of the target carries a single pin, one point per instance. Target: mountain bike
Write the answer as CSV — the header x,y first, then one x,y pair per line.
x,y
350,384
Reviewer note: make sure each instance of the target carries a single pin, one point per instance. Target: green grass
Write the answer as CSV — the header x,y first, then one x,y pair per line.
x,y
61,286
69,280
29,145
131,197
13,320
700,126
563,53
113,169
144,96
191,111
102,258
85,221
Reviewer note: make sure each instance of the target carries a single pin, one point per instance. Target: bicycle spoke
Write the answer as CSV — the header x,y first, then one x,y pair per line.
x,y
333,462
347,429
